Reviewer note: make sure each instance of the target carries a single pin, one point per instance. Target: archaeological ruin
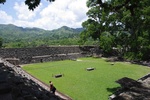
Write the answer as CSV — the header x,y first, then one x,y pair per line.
x,y
43,54
16,84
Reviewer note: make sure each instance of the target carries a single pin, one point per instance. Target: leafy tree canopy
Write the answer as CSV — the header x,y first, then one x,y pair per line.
x,y
1,42
119,17
32,4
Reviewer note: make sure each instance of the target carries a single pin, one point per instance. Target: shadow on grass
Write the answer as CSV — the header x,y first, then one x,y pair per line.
x,y
113,90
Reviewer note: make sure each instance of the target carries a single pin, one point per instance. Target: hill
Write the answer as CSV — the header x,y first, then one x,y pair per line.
x,y
12,34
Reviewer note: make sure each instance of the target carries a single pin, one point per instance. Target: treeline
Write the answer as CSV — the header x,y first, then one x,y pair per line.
x,y
38,43
18,37
46,42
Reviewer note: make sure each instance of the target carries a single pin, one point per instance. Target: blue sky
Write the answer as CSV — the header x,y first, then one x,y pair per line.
x,y
46,16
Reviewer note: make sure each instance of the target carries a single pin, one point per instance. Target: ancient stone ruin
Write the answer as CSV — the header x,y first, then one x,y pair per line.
x,y
15,85
43,54
132,89
90,69
58,75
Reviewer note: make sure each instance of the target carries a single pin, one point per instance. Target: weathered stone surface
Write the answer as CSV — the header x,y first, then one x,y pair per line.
x,y
58,75
6,96
90,69
14,86
133,90
42,54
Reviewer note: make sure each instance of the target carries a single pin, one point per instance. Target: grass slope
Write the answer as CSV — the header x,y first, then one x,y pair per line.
x,y
80,84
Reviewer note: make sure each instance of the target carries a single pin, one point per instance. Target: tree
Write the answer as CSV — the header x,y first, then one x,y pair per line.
x,y
107,42
32,4
123,17
1,42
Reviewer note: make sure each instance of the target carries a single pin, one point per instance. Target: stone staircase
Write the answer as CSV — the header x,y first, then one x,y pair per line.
x,y
16,85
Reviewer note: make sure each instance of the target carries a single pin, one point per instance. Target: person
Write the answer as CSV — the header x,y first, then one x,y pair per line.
x,y
52,87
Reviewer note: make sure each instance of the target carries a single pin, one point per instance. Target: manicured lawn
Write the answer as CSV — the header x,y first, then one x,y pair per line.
x,y
80,84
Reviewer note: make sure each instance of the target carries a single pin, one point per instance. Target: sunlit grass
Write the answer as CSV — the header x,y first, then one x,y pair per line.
x,y
80,84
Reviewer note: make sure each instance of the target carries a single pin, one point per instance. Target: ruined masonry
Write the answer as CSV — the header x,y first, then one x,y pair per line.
x,y
15,84
43,54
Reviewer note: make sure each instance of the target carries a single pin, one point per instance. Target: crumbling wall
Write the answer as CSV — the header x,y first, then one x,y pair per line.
x,y
16,86
40,54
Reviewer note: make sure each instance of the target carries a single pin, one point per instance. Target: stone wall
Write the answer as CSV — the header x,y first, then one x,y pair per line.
x,y
16,85
133,89
40,54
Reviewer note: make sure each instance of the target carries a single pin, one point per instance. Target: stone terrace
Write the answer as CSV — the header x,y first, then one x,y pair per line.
x,y
15,86
132,89
43,54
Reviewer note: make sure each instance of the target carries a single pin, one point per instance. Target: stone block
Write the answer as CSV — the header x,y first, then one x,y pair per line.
x,y
90,69
58,75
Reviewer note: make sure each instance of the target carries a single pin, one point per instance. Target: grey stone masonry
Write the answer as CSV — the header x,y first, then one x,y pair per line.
x,y
42,54
16,84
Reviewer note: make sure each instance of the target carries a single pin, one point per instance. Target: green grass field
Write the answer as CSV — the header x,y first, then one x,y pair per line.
x,y
80,84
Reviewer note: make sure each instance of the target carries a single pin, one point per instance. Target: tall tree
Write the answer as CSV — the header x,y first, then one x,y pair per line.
x,y
1,42
119,16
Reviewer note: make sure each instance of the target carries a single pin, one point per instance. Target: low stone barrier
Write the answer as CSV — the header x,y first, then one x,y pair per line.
x,y
43,54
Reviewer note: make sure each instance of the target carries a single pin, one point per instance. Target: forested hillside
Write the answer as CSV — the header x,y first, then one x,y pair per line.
x,y
14,36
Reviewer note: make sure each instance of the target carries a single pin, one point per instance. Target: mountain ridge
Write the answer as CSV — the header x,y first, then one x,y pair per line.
x,y
30,28
10,33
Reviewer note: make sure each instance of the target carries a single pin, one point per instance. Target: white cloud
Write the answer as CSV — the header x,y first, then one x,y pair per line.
x,y
23,13
50,16
5,18
68,12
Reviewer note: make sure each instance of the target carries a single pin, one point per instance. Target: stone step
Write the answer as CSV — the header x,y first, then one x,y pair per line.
x,y
6,96
5,88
